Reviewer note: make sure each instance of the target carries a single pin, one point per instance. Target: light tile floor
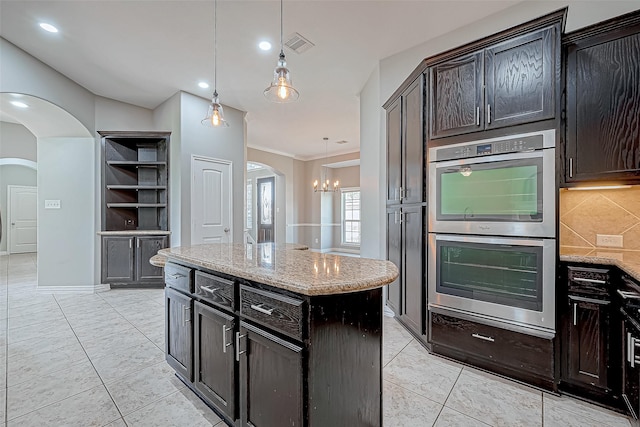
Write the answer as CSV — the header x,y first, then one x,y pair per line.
x,y
98,360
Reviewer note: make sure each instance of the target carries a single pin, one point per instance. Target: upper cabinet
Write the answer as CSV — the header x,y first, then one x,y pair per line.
x,y
508,82
405,145
603,102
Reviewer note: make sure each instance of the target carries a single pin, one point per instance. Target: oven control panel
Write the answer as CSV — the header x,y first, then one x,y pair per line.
x,y
490,147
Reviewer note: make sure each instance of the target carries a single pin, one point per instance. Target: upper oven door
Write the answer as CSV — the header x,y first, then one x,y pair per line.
x,y
504,194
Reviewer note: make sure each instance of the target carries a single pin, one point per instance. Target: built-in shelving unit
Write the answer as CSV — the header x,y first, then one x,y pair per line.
x,y
135,197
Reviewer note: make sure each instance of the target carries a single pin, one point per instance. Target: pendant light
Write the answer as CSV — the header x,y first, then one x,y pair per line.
x,y
281,89
215,115
323,185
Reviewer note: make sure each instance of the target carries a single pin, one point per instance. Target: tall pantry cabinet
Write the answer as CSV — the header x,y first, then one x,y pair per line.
x,y
135,206
406,296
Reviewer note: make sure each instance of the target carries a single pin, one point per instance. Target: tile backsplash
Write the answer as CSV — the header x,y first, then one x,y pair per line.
x,y
584,214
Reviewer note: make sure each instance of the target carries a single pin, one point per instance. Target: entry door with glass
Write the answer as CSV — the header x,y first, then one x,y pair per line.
x,y
266,217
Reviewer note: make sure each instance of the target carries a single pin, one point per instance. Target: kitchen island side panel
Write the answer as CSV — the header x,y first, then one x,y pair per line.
x,y
345,360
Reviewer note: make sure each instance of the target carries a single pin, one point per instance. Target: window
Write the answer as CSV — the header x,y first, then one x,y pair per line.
x,y
351,216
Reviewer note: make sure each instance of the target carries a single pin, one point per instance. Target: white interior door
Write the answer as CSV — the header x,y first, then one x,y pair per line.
x,y
22,219
211,204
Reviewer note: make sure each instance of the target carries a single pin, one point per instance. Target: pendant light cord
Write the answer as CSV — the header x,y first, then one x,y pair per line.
x,y
215,47
281,19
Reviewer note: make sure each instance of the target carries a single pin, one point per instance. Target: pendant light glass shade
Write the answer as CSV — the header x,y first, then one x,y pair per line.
x,y
215,115
281,89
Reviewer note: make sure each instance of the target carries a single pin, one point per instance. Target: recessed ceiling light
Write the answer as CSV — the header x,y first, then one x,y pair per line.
x,y
19,104
203,85
264,45
48,27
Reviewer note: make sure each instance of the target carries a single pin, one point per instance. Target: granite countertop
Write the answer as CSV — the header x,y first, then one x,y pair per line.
x,y
627,260
134,233
281,266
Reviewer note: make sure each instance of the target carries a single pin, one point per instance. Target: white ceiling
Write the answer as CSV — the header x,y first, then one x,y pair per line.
x,y
143,52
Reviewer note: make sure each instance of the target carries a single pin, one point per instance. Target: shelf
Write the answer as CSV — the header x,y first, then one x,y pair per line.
x,y
136,205
136,187
134,163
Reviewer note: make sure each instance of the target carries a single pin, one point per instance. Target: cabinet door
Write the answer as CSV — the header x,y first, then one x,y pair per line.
x,y
394,254
271,380
413,276
603,107
394,152
456,99
214,361
146,247
520,79
413,143
630,368
117,259
587,352
178,334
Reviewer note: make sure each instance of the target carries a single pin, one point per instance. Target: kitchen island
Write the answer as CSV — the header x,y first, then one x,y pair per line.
x,y
268,335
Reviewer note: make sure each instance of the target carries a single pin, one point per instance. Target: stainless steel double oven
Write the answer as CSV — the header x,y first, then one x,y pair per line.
x,y
492,228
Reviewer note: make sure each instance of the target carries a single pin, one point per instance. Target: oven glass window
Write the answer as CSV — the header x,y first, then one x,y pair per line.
x,y
500,191
501,274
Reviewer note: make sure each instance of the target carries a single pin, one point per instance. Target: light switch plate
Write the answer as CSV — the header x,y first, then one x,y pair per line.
x,y
52,204
612,241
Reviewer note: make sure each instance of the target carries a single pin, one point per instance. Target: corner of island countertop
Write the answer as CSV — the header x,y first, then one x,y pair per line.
x,y
287,266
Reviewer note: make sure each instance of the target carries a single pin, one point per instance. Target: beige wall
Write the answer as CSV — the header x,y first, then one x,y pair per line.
x,y
584,214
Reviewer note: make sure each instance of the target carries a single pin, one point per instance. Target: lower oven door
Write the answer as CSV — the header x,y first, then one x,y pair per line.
x,y
511,281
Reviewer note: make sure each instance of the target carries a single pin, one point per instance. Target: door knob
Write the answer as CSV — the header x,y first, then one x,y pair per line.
x,y
226,229
13,223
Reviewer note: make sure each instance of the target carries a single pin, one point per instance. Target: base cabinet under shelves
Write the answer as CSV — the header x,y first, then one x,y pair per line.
x,y
125,259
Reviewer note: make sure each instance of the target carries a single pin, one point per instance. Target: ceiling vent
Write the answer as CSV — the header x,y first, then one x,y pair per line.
x,y
297,43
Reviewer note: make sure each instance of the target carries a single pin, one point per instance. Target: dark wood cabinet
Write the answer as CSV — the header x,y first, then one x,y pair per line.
x,y
394,254
405,146
135,200
521,356
214,360
457,96
271,376
520,79
406,296
179,333
125,259
511,82
267,357
603,102
117,259
588,345
631,365
146,247
589,352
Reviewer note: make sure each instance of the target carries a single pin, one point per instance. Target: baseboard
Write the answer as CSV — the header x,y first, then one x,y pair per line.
x,y
85,289
346,250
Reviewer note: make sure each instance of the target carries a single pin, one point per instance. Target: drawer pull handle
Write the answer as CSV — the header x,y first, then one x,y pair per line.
x,y
176,276
225,344
208,289
261,309
599,282
482,337
627,294
238,352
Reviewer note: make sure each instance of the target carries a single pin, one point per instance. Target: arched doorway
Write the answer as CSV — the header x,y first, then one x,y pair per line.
x,y
66,181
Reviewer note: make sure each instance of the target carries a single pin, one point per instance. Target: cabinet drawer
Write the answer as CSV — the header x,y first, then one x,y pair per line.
x,y
215,289
517,351
276,311
178,277
588,281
